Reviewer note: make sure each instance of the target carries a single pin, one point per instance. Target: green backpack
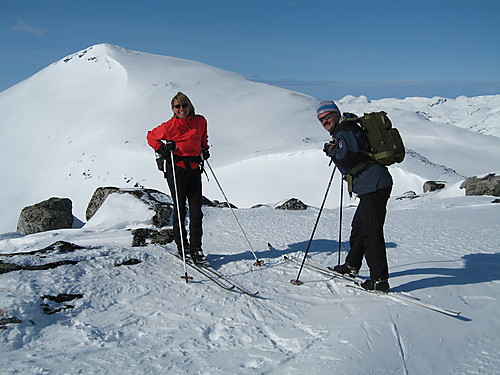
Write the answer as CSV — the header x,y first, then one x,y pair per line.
x,y
386,144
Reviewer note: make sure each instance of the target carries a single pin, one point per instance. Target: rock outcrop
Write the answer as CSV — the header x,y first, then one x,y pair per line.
x,y
51,214
487,185
292,204
160,202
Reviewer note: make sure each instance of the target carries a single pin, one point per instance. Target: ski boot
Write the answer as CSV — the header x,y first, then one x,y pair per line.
x,y
345,269
376,285
198,257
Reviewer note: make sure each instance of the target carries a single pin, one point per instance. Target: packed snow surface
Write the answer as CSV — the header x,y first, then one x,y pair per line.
x,y
144,318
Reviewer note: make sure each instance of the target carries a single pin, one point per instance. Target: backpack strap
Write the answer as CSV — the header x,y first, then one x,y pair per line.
x,y
361,166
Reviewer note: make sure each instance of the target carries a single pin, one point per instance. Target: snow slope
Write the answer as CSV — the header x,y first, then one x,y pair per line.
x,y
81,123
145,319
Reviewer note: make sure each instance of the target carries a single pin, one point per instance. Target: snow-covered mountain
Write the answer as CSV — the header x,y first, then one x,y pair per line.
x,y
81,123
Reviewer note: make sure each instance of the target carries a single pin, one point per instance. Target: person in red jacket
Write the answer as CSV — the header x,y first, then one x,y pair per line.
x,y
185,134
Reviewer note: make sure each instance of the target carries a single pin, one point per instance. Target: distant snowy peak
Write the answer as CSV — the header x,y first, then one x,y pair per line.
x,y
479,114
138,70
98,54
349,99
88,54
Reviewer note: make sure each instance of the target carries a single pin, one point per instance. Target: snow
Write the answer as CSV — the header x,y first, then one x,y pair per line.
x,y
88,117
92,111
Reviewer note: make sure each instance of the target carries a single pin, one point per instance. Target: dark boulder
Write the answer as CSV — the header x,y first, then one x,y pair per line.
x,y
146,236
433,186
51,214
215,203
292,204
487,185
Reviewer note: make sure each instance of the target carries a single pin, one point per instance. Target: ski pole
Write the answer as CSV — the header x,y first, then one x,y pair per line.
x,y
257,261
297,281
186,277
340,219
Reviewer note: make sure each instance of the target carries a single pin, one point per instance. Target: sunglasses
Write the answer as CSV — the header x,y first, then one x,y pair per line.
x,y
178,106
323,119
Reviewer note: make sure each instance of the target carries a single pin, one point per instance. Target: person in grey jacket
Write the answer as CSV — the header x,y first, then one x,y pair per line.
x,y
372,185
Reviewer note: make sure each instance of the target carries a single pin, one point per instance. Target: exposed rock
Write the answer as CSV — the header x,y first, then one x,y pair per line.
x,y
129,262
9,267
258,205
160,202
11,320
433,186
145,236
162,237
487,185
60,298
215,203
62,247
63,297
292,204
53,213
410,194
140,237
58,246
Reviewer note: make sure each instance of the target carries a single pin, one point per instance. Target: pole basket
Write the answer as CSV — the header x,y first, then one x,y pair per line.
x,y
187,278
296,282
258,263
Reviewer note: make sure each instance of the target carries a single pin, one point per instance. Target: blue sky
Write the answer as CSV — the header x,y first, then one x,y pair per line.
x,y
328,49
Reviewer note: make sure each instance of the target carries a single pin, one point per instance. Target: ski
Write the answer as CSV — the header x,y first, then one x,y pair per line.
x,y
235,285
218,278
351,282
391,294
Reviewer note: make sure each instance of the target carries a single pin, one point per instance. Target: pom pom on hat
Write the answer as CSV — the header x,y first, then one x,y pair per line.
x,y
327,106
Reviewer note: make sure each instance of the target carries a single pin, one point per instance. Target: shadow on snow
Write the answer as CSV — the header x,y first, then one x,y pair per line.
x,y
478,268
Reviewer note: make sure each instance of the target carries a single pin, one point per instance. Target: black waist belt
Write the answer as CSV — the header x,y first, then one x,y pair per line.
x,y
189,159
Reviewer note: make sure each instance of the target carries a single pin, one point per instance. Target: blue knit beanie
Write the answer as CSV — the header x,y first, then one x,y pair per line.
x,y
327,106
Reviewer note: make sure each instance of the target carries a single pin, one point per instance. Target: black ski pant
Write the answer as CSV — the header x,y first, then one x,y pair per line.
x,y
188,189
367,234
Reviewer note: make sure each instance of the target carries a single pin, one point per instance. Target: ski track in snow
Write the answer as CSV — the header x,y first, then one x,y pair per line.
x,y
145,319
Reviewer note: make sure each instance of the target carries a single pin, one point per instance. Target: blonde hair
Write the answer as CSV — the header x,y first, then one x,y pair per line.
x,y
182,98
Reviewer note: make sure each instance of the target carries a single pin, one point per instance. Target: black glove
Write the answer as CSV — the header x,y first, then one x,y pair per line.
x,y
328,147
205,154
166,148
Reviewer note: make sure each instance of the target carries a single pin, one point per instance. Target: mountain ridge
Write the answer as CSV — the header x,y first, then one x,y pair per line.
x,y
81,123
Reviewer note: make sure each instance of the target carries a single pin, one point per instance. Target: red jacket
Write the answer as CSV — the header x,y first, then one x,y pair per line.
x,y
190,136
